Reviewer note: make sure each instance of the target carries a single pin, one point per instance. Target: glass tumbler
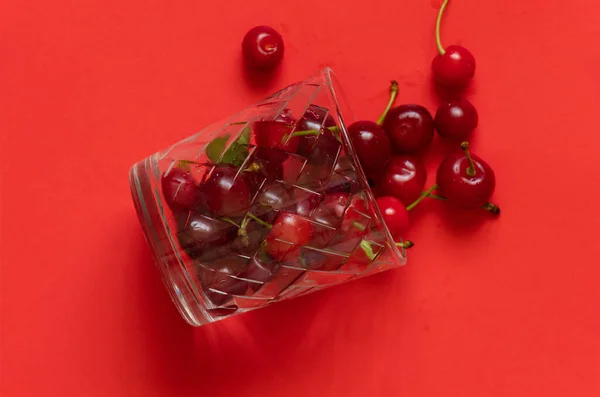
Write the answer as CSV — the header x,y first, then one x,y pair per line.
x,y
267,205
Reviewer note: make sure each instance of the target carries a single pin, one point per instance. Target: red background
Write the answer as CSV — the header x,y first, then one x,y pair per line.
x,y
506,307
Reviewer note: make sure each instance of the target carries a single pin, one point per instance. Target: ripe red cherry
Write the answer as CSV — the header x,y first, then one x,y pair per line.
x,y
314,118
275,134
288,233
410,128
179,189
262,47
456,120
404,178
371,143
466,180
273,144
201,237
455,68
226,193
395,215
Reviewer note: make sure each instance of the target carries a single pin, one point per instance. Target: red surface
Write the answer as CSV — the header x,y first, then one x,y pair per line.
x,y
491,308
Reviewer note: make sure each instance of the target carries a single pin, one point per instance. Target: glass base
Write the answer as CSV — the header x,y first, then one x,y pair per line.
x,y
144,190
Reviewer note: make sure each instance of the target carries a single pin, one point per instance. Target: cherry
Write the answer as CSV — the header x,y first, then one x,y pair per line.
x,y
179,189
455,65
466,180
314,118
289,232
273,139
225,193
395,215
306,202
258,271
410,128
456,120
371,144
276,196
262,47
370,141
404,178
219,285
325,150
275,134
201,237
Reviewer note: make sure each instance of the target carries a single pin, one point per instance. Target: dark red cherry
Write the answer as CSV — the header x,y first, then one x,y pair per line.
x,y
395,215
226,193
277,196
203,237
219,286
275,134
410,128
455,120
314,118
455,68
288,233
371,144
179,189
404,178
262,47
466,180
259,271
274,142
332,208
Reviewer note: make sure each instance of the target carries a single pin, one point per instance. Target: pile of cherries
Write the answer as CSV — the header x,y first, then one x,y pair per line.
x,y
244,212
280,193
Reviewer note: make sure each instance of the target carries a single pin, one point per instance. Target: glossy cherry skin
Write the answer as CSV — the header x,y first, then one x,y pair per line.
x,y
394,215
314,118
404,178
220,285
273,144
262,47
202,237
410,128
179,189
371,144
456,120
292,230
455,68
226,193
455,184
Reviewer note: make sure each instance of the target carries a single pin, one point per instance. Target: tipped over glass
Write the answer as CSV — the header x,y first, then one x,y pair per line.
x,y
267,205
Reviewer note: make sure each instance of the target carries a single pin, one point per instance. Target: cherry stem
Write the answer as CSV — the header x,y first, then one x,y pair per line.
x,y
314,132
426,193
437,28
254,167
405,244
491,207
393,95
228,220
471,169
259,221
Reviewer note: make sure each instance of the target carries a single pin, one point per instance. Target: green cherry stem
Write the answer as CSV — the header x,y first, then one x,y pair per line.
x,y
471,169
426,193
437,28
315,132
491,207
405,244
259,221
393,95
228,220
